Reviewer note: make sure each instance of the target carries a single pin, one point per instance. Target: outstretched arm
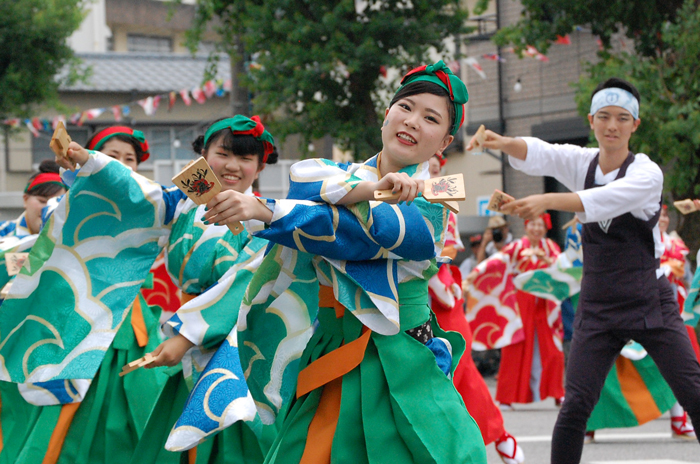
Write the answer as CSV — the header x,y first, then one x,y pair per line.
x,y
517,148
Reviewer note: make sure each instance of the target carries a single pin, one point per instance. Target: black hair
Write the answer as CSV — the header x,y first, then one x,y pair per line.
x,y
45,190
237,144
126,139
416,87
616,82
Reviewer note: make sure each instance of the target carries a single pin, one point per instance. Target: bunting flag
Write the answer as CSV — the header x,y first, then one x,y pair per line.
x,y
198,95
493,57
209,88
471,61
117,113
32,129
172,97
94,113
563,40
156,102
185,94
149,104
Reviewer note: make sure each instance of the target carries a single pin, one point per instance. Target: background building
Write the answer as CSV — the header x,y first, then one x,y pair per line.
x,y
135,49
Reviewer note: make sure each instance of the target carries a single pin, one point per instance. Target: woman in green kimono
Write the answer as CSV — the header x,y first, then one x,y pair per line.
x,y
96,252
81,419
18,236
369,381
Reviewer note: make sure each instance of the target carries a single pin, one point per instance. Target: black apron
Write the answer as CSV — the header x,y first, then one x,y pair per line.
x,y
620,289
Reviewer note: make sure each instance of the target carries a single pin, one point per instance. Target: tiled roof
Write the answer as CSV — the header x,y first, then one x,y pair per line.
x,y
145,72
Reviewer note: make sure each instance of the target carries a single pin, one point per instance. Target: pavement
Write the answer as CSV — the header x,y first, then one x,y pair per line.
x,y
651,443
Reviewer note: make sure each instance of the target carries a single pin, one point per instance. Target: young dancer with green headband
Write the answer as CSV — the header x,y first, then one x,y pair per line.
x,y
624,294
370,380
95,252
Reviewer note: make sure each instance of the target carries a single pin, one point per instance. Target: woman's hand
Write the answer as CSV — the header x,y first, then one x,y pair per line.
x,y
229,206
400,182
76,154
170,352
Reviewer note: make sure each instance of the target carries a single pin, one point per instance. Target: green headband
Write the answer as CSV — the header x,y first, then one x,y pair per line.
x,y
443,76
242,125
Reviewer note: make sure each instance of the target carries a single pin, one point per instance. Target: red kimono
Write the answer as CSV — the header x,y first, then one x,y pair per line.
x,y
512,319
448,305
673,265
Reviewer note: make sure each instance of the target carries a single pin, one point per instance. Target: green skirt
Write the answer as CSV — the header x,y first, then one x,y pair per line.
x,y
111,418
634,393
396,406
236,444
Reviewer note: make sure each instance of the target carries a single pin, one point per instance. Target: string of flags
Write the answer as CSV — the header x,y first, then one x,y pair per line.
x,y
530,52
149,105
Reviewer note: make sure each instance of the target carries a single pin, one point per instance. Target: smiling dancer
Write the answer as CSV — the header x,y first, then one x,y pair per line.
x,y
624,294
372,382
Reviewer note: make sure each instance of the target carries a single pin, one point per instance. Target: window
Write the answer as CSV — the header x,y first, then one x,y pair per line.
x,y
40,145
149,43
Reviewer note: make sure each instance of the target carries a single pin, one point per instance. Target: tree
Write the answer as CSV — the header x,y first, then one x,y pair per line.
x,y
33,51
543,20
667,76
318,64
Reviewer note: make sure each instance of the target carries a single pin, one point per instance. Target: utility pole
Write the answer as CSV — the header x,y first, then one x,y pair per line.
x,y
239,94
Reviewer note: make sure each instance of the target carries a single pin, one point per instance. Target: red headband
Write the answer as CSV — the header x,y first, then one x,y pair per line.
x,y
102,136
441,158
547,220
44,178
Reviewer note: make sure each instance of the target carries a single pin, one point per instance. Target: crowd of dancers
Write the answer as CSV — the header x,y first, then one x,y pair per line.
x,y
333,328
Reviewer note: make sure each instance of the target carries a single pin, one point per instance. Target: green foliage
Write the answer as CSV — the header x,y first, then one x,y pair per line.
x,y
665,69
33,50
318,62
669,84
543,20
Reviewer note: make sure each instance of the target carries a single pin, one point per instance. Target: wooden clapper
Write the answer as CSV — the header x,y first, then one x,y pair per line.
x,y
685,206
60,141
497,200
200,184
14,263
133,365
448,190
479,138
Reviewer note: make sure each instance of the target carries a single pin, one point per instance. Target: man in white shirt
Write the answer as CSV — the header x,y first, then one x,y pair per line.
x,y
617,197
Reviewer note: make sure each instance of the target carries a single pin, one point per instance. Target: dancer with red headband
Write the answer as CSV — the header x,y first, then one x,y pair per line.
x,y
126,145
104,237
18,236
34,437
532,360
41,187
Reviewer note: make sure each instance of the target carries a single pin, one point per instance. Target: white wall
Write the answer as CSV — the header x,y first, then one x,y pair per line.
x,y
93,34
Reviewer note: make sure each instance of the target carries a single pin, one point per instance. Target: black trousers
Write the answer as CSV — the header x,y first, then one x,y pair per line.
x,y
593,351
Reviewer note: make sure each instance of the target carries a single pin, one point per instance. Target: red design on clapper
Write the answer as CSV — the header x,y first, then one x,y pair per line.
x,y
198,184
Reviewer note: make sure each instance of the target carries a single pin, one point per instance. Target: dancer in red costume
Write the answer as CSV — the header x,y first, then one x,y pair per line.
x,y
673,264
448,305
530,333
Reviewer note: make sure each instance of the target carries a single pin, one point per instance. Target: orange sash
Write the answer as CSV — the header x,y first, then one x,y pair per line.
x,y
327,372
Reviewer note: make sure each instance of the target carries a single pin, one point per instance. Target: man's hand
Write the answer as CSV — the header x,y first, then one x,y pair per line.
x,y
527,208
